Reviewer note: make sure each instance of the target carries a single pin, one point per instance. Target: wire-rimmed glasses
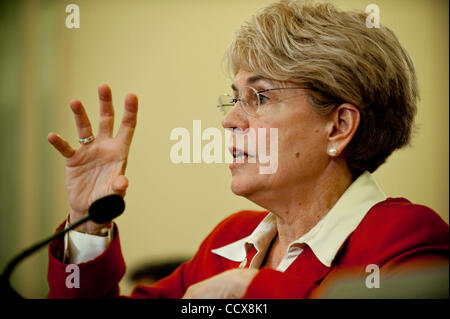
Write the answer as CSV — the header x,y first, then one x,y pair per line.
x,y
250,99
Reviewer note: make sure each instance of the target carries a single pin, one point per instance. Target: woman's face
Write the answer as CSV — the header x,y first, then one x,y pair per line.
x,y
301,155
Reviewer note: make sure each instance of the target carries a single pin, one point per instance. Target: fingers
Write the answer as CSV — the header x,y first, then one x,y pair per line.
x,y
129,119
61,145
106,125
81,120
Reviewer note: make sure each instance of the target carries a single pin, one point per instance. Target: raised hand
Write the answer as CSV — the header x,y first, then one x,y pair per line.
x,y
97,169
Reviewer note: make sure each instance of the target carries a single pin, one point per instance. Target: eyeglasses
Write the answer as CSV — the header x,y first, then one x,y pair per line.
x,y
251,99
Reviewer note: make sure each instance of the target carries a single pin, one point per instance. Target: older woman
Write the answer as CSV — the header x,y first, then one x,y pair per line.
x,y
342,97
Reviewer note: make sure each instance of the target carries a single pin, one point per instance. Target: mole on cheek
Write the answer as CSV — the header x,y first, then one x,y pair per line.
x,y
297,154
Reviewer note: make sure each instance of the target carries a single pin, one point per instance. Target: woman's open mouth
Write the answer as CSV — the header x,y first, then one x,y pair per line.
x,y
240,157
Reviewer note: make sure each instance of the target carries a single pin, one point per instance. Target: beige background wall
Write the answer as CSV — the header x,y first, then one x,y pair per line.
x,y
170,54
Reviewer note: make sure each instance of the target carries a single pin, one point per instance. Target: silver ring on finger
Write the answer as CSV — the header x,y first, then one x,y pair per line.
x,y
86,140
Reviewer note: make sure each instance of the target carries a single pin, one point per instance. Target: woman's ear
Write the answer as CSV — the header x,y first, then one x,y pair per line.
x,y
344,121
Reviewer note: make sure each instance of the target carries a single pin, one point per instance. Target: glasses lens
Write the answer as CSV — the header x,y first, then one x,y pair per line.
x,y
225,103
249,100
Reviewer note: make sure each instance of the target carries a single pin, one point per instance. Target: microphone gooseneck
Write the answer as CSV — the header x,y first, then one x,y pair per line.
x,y
101,211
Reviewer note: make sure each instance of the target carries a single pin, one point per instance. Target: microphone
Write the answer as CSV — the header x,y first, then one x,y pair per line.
x,y
101,211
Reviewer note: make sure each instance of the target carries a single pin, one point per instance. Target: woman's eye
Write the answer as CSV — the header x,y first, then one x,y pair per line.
x,y
262,98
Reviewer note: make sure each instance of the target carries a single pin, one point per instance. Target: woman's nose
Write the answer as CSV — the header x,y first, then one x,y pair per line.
x,y
236,118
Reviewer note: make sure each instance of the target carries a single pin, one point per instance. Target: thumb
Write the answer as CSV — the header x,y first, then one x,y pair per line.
x,y
120,184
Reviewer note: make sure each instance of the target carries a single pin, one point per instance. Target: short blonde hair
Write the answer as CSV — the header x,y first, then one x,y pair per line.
x,y
342,60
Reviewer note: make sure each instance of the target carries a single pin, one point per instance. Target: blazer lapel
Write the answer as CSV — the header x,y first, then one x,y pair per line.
x,y
309,270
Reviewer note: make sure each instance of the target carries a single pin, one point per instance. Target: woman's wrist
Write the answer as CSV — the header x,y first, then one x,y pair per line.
x,y
89,227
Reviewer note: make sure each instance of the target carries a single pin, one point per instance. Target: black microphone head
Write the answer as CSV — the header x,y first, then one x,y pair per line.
x,y
107,208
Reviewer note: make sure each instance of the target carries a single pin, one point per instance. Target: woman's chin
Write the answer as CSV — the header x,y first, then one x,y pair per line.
x,y
239,188
245,180
243,186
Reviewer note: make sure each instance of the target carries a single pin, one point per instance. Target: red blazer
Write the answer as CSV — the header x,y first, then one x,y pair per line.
x,y
393,233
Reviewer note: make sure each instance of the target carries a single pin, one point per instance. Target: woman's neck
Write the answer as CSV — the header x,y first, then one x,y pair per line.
x,y
300,207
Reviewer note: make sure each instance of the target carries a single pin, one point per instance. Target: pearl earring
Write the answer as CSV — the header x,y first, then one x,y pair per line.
x,y
332,151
